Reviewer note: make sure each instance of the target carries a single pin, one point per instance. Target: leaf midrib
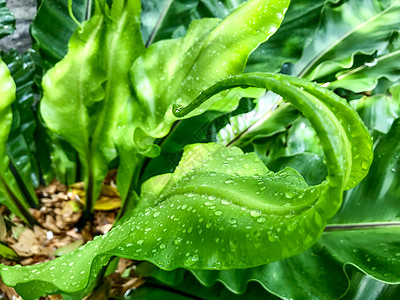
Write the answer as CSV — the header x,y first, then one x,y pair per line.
x,y
364,66
361,226
158,24
343,37
227,194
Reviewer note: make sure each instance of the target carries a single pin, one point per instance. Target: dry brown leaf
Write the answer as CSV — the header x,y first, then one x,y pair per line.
x,y
109,198
9,292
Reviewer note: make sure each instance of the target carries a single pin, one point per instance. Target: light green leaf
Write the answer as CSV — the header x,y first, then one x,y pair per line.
x,y
222,209
366,76
178,70
378,111
86,93
10,195
342,156
296,31
354,27
21,145
346,29
363,236
165,19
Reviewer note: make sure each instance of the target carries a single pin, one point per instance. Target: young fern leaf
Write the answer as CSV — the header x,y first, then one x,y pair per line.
x,y
10,195
221,208
87,91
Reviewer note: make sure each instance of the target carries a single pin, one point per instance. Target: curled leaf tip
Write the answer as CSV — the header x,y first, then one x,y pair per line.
x,y
177,110
71,14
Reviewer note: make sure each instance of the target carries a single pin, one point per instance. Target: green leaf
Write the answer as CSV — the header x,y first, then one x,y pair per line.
x,y
7,20
276,121
8,253
343,34
87,92
223,209
309,165
364,235
160,18
10,195
378,111
345,31
53,27
366,76
338,154
21,145
296,31
178,70
364,287
199,129
165,19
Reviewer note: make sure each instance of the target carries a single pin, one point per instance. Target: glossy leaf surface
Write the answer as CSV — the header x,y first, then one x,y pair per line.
x,y
222,209
364,236
343,35
53,27
359,31
286,46
21,146
366,76
7,20
94,95
165,19
10,194
178,70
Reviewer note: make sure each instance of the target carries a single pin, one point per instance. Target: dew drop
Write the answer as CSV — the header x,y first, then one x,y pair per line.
x,y
290,194
365,164
261,220
255,213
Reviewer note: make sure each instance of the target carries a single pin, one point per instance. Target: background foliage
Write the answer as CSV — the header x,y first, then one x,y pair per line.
x,y
350,46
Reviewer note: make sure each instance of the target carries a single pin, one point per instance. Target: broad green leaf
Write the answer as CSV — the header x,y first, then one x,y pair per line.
x,y
222,209
276,121
309,165
364,236
165,19
344,31
178,70
364,287
378,111
160,18
286,46
365,77
87,92
199,129
21,145
297,139
7,20
354,27
53,27
10,195
181,68
343,156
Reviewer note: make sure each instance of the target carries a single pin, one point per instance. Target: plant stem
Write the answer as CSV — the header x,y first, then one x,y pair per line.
x,y
21,208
